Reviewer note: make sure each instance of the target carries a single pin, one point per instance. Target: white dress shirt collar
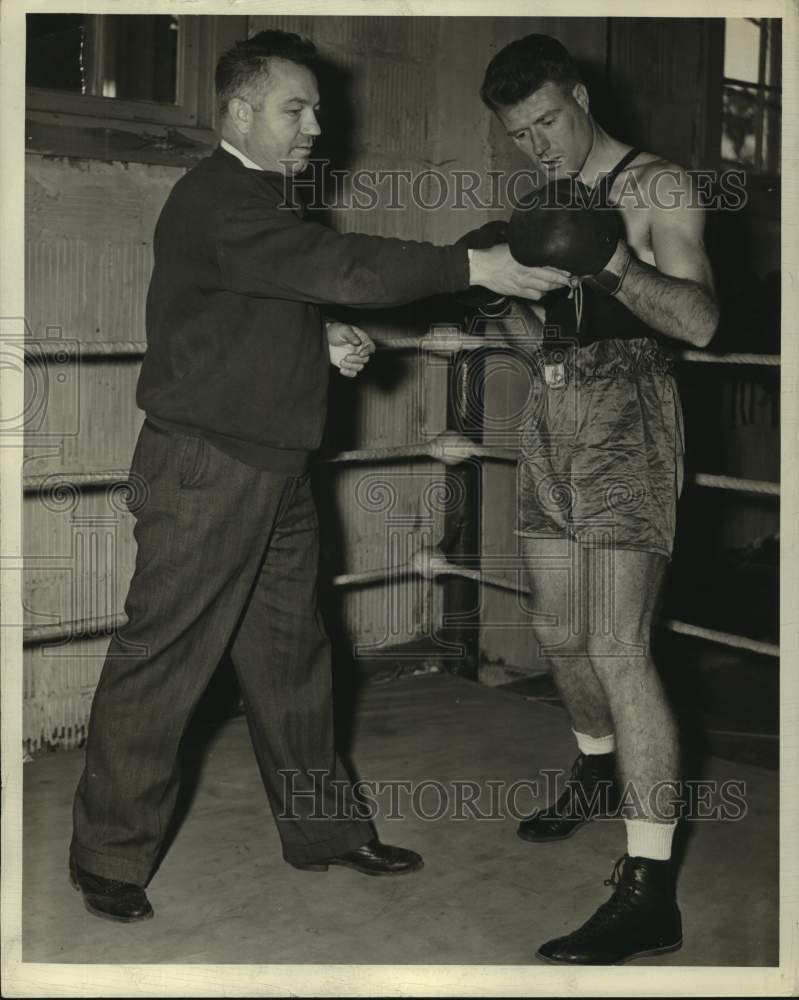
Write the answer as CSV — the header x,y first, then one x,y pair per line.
x,y
250,164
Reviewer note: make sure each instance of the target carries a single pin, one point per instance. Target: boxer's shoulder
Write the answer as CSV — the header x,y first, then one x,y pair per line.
x,y
651,181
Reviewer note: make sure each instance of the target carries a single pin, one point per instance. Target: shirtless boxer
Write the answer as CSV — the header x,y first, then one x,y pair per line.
x,y
599,477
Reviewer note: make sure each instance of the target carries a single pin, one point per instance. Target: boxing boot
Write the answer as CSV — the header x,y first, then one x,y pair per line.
x,y
640,918
590,793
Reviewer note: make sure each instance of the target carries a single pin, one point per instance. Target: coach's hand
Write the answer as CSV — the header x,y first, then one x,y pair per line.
x,y
350,347
497,270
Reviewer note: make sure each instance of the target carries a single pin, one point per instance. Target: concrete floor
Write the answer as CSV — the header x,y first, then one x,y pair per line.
x,y
224,895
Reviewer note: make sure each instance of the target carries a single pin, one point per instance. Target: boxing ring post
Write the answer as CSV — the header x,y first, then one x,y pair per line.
x,y
462,526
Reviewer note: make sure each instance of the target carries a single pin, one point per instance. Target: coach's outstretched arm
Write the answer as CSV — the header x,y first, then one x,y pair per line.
x,y
266,250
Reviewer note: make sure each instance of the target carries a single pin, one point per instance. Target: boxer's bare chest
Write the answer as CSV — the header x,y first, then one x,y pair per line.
x,y
631,196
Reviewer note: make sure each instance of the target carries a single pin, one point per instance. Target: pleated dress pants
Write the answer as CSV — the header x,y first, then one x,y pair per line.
x,y
227,560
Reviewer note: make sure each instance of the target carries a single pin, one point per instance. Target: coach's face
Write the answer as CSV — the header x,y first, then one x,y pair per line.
x,y
278,131
552,128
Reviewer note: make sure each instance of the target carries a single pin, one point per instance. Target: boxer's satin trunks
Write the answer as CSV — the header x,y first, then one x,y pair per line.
x,y
602,456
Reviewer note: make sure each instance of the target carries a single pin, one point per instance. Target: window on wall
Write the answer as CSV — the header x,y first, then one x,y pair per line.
x,y
752,93
120,56
123,66
133,87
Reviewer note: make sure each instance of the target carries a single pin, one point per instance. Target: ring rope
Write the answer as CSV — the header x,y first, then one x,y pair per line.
x,y
388,454
83,628
723,638
427,563
733,483
70,350
739,732
449,447
705,357
402,571
56,480
449,343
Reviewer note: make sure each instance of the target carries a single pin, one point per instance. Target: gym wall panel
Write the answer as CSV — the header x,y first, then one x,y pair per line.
x,y
659,72
58,690
79,557
89,227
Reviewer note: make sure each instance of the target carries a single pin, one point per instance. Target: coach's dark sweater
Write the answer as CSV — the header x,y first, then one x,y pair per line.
x,y
236,348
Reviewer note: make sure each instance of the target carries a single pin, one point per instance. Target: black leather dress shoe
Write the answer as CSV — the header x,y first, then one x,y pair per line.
x,y
373,858
590,793
108,898
640,918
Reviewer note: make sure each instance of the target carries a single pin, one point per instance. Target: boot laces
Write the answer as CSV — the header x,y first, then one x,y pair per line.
x,y
574,782
617,904
584,775
615,877
576,768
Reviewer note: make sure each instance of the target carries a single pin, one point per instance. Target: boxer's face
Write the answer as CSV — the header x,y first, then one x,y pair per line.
x,y
279,128
552,128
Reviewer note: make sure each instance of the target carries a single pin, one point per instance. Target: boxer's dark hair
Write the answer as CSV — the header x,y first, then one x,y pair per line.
x,y
241,71
523,66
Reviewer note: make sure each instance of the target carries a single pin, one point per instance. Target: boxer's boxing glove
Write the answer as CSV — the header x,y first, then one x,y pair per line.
x,y
559,226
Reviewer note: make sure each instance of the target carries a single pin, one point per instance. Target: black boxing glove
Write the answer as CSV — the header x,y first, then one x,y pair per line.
x,y
483,300
558,226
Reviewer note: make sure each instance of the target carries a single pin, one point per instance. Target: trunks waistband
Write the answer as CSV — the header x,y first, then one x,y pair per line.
x,y
603,359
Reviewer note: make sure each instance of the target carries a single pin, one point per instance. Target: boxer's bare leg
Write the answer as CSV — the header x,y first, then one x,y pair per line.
x,y
622,588
642,916
557,574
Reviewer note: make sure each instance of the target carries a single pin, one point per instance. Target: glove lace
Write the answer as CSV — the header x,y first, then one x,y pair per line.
x,y
576,293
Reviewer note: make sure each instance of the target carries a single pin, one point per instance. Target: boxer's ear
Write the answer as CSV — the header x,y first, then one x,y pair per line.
x,y
580,94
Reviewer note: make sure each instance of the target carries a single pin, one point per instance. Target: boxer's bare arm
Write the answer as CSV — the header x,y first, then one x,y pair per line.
x,y
676,296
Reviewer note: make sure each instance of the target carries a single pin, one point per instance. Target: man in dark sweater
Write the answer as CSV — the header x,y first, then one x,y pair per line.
x,y
234,386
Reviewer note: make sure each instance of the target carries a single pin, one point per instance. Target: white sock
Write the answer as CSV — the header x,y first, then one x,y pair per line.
x,y
595,744
649,840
